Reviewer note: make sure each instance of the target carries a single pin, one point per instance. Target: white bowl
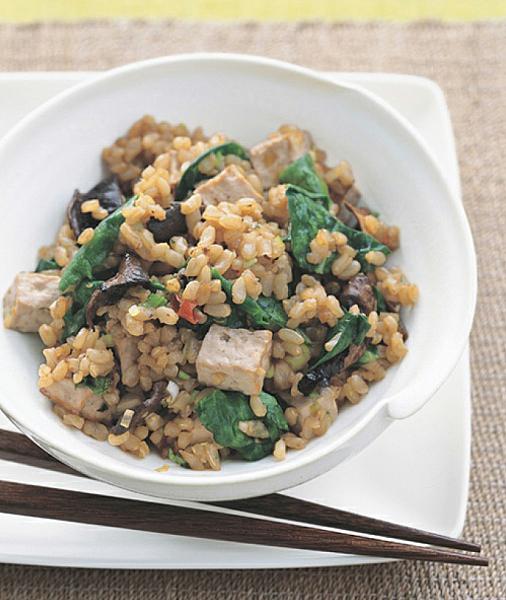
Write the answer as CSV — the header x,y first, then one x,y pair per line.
x,y
57,148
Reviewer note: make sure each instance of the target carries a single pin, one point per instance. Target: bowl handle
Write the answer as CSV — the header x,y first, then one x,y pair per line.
x,y
406,403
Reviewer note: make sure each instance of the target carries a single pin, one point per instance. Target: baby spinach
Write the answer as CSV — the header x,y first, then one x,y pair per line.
x,y
381,305
91,256
194,175
75,318
46,265
349,334
264,313
221,412
268,312
307,217
98,385
350,329
363,243
274,418
302,173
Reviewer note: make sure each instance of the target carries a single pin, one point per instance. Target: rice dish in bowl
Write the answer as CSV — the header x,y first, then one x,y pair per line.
x,y
209,302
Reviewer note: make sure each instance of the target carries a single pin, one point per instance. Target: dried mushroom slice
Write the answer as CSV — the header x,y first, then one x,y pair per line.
x,y
130,273
107,192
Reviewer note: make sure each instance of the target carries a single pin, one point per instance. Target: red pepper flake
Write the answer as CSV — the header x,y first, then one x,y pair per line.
x,y
187,311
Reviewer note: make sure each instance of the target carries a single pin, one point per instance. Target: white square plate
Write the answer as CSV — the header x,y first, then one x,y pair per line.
x,y
416,473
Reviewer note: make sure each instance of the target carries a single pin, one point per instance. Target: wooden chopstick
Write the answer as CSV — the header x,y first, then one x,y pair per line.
x,y
293,509
18,448
79,507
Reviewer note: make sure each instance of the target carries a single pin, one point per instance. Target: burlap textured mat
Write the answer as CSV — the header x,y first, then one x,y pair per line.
x,y
469,62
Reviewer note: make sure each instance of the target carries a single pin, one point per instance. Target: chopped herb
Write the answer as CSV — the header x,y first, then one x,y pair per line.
x,y
155,300
175,458
107,339
183,375
370,355
155,285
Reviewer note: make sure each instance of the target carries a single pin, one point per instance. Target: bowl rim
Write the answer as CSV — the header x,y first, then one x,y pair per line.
x,y
303,459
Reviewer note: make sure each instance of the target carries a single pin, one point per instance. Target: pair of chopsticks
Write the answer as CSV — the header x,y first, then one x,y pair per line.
x,y
79,507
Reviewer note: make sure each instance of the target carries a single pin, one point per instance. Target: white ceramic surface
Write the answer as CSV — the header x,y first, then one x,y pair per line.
x,y
416,473
59,145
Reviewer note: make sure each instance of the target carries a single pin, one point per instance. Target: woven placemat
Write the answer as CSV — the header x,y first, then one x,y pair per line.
x,y
469,62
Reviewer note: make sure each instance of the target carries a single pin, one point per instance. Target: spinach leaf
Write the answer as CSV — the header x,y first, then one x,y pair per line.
x,y
264,313
193,174
381,305
91,256
268,312
350,329
46,265
274,419
98,385
75,318
276,424
370,355
155,300
235,319
362,327
175,458
302,173
221,412
349,334
363,243
307,217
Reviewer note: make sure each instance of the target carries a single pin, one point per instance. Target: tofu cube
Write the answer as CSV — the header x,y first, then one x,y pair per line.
x,y
27,301
270,157
234,359
228,186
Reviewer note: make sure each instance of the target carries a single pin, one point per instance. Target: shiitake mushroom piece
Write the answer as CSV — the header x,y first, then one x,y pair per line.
x,y
173,224
130,273
107,192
